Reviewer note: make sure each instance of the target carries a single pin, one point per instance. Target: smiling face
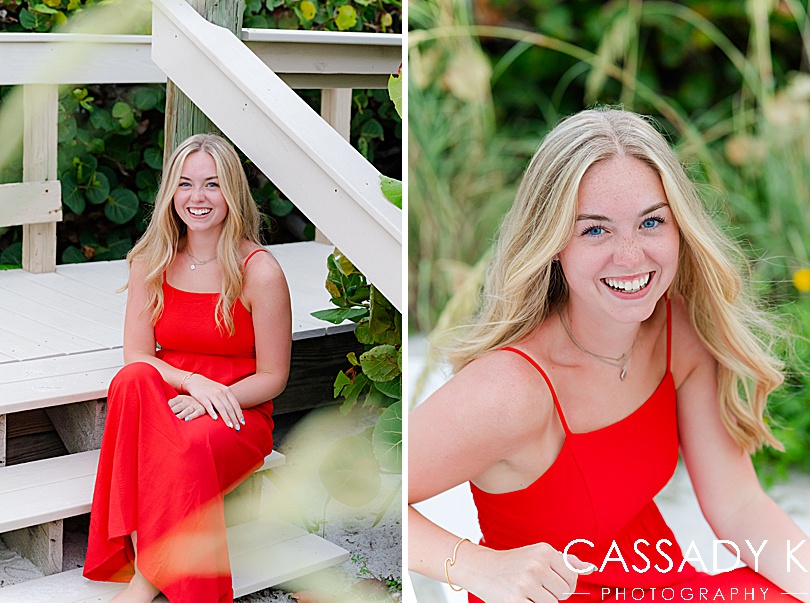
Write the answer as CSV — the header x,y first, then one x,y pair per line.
x,y
624,252
198,199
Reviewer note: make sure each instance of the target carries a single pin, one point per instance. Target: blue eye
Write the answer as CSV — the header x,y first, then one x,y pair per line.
x,y
593,231
651,223
213,184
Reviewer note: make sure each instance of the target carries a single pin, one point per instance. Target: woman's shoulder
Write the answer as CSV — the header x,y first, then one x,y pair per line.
x,y
500,390
688,348
260,265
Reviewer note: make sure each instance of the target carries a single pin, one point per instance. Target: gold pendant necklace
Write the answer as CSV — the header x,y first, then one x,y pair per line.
x,y
620,362
198,262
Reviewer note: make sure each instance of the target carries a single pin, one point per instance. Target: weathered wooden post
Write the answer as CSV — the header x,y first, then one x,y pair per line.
x,y
183,118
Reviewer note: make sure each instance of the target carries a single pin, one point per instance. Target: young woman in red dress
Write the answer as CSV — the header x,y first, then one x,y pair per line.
x,y
207,340
615,330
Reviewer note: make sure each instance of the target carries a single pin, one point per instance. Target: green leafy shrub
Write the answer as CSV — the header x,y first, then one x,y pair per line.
x,y
111,138
380,16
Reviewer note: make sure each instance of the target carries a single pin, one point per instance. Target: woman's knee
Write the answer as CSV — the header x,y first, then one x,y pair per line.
x,y
134,380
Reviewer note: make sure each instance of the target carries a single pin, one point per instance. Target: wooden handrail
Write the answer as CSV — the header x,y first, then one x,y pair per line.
x,y
326,178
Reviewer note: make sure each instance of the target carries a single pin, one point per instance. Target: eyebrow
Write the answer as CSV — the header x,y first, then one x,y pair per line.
x,y
208,178
601,218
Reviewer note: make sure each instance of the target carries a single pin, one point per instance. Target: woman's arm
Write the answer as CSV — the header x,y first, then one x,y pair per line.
x,y
469,429
268,299
726,485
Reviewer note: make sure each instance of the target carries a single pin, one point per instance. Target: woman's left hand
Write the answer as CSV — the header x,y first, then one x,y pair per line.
x,y
216,398
186,407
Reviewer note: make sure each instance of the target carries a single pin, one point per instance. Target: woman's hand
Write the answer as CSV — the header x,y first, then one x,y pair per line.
x,y
532,573
215,398
186,407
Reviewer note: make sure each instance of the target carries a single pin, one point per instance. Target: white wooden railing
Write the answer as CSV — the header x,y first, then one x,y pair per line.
x,y
247,94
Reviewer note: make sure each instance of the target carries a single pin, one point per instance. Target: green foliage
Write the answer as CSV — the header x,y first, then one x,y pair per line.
x,y
788,406
350,471
50,15
333,15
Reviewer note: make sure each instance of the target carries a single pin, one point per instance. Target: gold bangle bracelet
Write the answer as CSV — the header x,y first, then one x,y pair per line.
x,y
183,382
449,562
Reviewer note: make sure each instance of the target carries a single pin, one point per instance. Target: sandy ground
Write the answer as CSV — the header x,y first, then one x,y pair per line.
x,y
376,551
454,509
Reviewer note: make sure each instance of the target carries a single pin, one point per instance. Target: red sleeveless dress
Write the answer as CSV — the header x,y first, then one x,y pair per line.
x,y
600,489
165,478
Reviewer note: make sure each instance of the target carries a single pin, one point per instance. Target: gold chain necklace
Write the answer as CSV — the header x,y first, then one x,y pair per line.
x,y
620,362
198,262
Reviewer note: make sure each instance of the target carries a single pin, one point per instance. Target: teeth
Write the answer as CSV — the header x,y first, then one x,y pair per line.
x,y
200,212
633,286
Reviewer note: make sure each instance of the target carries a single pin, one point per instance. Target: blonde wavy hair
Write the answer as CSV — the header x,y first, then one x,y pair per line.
x,y
166,231
524,286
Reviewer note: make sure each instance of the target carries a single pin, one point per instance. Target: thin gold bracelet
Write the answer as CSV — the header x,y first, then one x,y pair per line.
x,y
449,562
183,382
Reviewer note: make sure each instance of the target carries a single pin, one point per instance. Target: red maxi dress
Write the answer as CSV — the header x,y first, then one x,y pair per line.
x,y
165,478
600,488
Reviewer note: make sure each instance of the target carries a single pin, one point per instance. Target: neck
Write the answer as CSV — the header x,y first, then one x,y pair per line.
x,y
202,245
599,334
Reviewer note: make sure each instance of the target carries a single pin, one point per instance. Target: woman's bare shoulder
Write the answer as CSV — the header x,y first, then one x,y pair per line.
x,y
500,390
488,412
688,349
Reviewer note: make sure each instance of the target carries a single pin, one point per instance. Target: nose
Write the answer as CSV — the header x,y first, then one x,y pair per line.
x,y
197,193
628,252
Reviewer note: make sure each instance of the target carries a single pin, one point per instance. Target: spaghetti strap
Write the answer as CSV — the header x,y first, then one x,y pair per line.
x,y
254,252
669,334
548,382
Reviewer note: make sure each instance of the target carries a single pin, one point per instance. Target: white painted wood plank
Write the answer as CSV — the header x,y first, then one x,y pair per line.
x,y
56,488
340,191
343,59
39,504
32,58
22,348
51,336
261,567
30,203
46,472
69,314
272,565
70,325
350,38
33,370
55,281
40,111
36,292
53,391
107,277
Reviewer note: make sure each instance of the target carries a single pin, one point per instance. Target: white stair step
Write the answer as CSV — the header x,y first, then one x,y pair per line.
x,y
264,553
51,489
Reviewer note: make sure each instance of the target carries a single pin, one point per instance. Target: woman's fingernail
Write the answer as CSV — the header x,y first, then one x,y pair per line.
x,y
215,416
188,418
230,424
242,420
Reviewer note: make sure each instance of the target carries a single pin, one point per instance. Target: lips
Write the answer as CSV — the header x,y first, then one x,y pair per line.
x,y
628,284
